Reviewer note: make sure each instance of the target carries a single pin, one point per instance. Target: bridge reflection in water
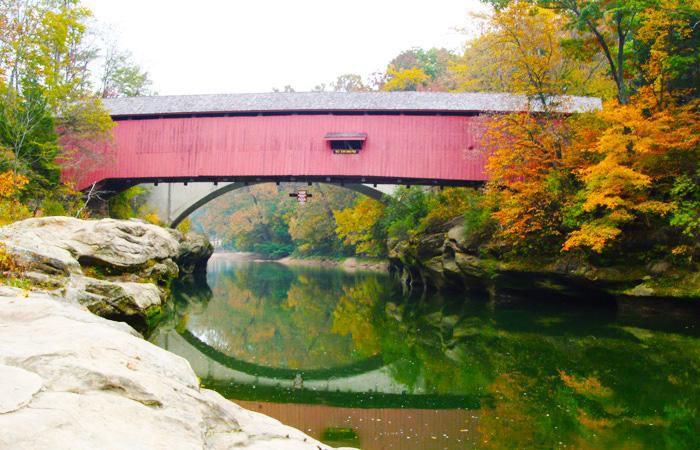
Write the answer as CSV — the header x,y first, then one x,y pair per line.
x,y
347,358
298,344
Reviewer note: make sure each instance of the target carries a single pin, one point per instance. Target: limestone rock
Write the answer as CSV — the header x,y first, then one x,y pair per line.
x,y
430,246
134,303
117,268
456,234
17,388
193,253
72,380
66,243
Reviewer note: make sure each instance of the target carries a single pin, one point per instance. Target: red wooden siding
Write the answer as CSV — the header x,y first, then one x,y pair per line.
x,y
399,146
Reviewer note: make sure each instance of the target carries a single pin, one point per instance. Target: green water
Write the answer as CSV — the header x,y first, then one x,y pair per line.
x,y
515,373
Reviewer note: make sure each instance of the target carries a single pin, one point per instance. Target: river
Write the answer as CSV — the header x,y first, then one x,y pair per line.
x,y
352,360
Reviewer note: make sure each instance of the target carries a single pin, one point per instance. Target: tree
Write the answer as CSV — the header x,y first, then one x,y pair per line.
x,y
419,69
312,225
666,50
43,81
121,76
521,51
405,79
27,132
635,164
358,226
607,26
349,82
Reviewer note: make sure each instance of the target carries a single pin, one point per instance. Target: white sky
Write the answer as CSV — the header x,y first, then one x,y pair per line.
x,y
230,46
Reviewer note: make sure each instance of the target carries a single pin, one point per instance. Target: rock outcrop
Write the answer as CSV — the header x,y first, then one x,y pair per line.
x,y
119,269
448,257
72,380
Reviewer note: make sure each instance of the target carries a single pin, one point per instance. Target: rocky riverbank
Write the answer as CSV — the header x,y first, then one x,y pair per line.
x,y
73,380
447,258
118,269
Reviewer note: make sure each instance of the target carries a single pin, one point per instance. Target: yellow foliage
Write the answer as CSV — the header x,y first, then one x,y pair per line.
x,y
520,52
405,79
7,261
184,226
153,218
11,183
659,27
355,226
592,235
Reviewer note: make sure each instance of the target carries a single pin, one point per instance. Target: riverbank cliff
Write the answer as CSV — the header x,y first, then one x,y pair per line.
x,y
447,257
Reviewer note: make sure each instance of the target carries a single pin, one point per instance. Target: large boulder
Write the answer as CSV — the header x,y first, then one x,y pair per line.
x,y
72,380
119,269
193,254
67,243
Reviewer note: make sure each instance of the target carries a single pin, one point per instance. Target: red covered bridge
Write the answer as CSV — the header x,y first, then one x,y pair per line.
x,y
378,137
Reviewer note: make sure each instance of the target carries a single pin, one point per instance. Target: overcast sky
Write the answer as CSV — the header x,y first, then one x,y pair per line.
x,y
229,46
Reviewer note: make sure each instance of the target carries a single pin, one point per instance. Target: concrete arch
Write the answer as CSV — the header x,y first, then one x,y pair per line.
x,y
359,188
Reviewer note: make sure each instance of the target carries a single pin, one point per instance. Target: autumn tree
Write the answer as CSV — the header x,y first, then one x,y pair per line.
x,y
521,50
634,161
312,225
418,69
608,27
359,226
603,183
528,166
44,82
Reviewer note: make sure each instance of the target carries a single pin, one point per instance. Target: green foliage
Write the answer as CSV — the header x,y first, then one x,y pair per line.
x,y
45,115
53,207
406,208
125,204
28,136
122,77
479,226
686,196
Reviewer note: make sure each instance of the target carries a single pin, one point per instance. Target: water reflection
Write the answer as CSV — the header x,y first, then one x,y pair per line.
x,y
520,375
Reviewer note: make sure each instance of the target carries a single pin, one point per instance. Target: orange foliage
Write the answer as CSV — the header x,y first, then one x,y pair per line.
x,y
524,166
588,387
640,148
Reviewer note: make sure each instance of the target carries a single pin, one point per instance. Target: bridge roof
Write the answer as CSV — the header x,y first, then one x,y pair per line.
x,y
309,102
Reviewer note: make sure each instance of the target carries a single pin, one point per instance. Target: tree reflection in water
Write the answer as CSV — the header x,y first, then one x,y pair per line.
x,y
543,375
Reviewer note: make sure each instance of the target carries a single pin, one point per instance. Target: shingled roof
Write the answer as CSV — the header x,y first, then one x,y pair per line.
x,y
340,102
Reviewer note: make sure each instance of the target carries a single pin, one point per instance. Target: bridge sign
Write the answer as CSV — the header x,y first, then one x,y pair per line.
x,y
301,196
